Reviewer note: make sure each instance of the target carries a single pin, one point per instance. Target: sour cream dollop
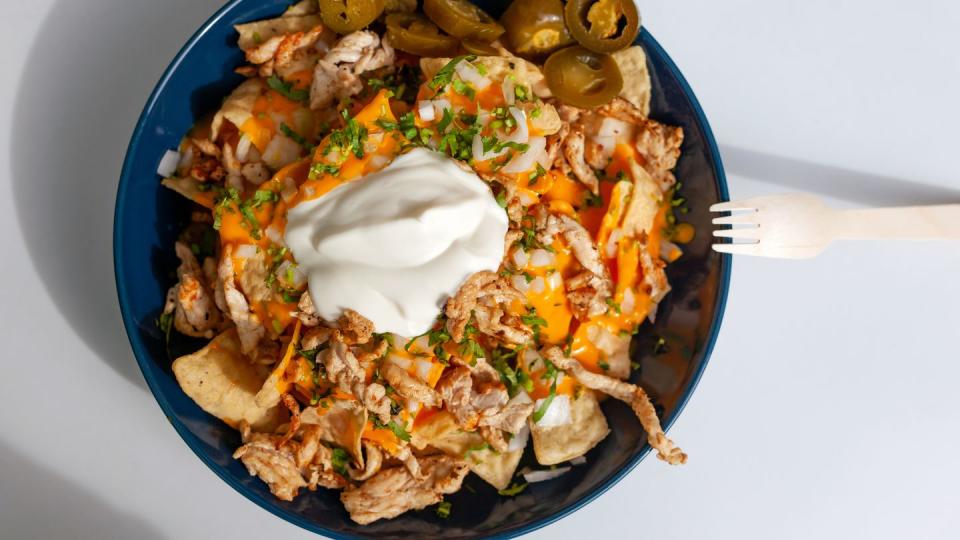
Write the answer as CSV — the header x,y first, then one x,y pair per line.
x,y
394,245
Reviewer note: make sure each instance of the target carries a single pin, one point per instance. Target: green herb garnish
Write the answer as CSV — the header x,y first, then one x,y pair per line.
x,y
286,89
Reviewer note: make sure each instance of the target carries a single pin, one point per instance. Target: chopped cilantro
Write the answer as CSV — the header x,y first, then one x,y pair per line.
x,y
399,431
445,120
262,196
296,137
349,138
319,169
339,460
502,199
165,324
593,200
536,175
443,509
286,89
444,76
614,305
513,490
535,322
603,365
463,89
222,202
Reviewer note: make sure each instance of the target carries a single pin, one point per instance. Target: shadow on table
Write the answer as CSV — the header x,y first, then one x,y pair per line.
x,y
36,502
854,186
90,71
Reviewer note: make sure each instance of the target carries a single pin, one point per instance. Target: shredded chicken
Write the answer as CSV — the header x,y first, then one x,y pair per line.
x,y
191,300
279,52
658,144
344,370
588,291
573,151
408,386
285,464
373,460
482,295
249,328
337,74
628,393
355,328
394,491
306,312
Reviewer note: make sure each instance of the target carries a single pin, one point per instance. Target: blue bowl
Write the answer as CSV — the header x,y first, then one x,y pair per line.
x,y
149,217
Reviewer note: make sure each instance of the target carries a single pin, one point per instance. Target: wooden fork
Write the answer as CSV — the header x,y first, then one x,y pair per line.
x,y
799,226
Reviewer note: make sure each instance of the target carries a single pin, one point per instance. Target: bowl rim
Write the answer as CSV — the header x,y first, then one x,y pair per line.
x,y
196,446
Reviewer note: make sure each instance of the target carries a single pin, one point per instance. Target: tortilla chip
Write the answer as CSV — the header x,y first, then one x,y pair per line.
x,y
562,443
225,383
632,62
644,203
303,7
341,423
238,107
442,432
255,33
190,188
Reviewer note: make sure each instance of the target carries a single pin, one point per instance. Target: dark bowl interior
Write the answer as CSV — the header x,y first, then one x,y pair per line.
x,y
148,218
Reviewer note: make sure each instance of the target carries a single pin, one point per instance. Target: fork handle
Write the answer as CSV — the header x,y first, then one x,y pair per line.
x,y
940,222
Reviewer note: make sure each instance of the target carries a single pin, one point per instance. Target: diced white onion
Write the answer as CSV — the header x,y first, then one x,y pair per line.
x,y
530,356
186,161
468,73
533,477
479,154
441,105
520,284
289,190
379,161
521,134
536,153
509,90
520,258
168,163
554,281
669,251
579,460
560,376
557,413
629,302
426,111
243,147
525,198
422,344
519,441
274,235
373,142
246,251
541,257
424,367
291,274
537,285
413,406
280,151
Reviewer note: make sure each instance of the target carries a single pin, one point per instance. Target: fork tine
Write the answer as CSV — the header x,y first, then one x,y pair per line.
x,y
744,233
738,249
749,218
731,206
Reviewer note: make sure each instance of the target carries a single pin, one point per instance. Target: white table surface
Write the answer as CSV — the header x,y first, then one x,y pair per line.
x,y
829,408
